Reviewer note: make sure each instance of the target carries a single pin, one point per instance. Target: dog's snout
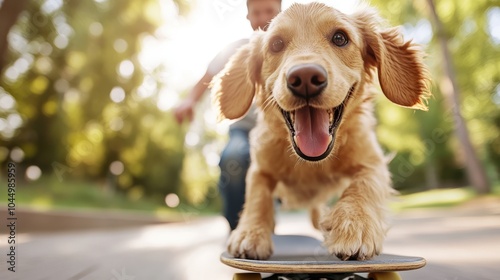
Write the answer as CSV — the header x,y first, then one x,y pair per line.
x,y
306,80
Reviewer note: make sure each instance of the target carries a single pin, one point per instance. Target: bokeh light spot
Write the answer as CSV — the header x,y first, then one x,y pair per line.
x,y
120,45
172,200
96,29
116,124
16,154
7,102
33,173
116,167
61,41
14,120
126,69
117,94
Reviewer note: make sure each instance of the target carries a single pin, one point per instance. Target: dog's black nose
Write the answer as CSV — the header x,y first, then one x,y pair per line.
x,y
306,80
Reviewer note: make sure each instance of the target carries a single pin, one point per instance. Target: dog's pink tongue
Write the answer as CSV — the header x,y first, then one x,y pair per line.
x,y
311,128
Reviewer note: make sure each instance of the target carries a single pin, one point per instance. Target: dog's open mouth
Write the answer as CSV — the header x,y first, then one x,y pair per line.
x,y
313,130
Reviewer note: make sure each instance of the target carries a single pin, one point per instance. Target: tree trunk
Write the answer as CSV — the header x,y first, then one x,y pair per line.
x,y
431,176
9,11
449,87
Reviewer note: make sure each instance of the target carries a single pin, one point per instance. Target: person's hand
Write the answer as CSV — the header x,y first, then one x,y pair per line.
x,y
184,111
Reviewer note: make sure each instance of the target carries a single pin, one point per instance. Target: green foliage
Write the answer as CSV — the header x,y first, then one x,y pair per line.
x,y
87,100
446,197
52,193
428,154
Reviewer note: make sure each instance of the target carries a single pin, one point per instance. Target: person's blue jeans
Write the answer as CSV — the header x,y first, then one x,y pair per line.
x,y
234,163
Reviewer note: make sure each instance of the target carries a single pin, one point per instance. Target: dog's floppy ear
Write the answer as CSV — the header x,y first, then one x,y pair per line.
x,y
234,87
402,74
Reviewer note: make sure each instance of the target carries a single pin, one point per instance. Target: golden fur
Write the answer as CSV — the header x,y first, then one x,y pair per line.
x,y
356,169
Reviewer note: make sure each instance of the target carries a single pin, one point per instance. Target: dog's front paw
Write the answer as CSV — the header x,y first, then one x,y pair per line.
x,y
352,234
250,244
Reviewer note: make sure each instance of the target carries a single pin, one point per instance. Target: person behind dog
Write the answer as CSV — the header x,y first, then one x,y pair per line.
x,y
235,158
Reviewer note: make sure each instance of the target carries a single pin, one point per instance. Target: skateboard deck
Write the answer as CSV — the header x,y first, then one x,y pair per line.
x,y
304,257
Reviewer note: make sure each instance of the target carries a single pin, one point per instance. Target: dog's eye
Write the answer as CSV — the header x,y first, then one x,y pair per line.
x,y
340,39
277,45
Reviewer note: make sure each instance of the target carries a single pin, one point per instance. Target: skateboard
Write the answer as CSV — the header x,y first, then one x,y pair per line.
x,y
298,257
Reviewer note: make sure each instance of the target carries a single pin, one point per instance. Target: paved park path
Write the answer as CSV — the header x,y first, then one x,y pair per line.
x,y
458,243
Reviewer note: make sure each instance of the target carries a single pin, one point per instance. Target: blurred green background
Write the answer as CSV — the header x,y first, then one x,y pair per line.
x,y
86,92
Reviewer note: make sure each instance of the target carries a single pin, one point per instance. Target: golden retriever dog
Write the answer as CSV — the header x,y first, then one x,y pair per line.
x,y
310,74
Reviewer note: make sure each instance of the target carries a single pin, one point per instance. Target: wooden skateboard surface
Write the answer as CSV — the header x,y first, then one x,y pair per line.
x,y
304,254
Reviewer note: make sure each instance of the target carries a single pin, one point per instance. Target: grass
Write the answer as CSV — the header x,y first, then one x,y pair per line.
x,y
440,198
51,193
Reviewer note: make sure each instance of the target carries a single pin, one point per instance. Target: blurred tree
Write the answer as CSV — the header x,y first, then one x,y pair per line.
x,y
30,79
449,87
86,96
9,11
494,146
469,29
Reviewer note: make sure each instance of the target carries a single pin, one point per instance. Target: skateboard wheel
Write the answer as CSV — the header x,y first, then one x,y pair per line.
x,y
384,276
247,276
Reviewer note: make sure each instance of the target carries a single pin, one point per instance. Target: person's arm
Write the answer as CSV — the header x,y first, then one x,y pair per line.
x,y
185,109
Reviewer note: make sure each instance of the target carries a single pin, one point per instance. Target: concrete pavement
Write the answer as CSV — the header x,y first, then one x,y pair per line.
x,y
459,243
